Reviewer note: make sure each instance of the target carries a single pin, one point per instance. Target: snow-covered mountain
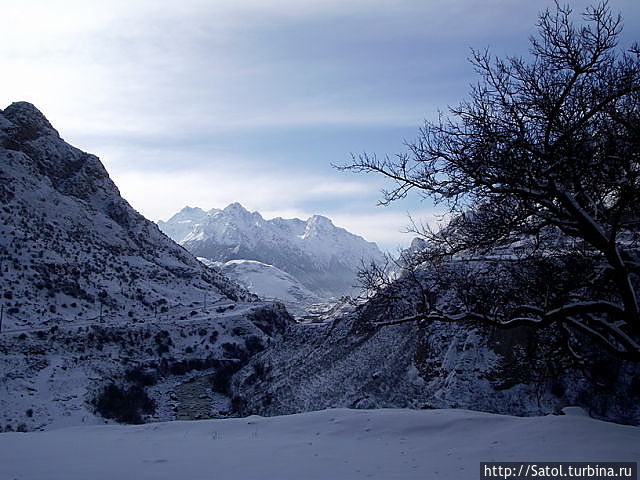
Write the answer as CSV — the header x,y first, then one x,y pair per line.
x,y
430,365
323,257
99,307
71,247
106,317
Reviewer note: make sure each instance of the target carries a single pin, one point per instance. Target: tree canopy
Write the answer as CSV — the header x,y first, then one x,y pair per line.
x,y
540,167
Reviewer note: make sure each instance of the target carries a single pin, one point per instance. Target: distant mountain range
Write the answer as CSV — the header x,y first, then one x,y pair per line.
x,y
322,257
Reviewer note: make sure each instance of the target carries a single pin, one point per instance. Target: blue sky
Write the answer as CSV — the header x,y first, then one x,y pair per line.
x,y
204,103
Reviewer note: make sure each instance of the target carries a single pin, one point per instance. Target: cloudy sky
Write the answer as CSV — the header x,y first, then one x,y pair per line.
x,y
204,103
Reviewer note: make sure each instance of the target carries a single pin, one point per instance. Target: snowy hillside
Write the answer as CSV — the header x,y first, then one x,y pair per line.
x,y
71,248
323,257
102,314
74,375
348,362
107,320
332,444
268,282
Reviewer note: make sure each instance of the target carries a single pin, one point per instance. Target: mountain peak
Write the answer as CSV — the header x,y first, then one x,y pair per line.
x,y
319,221
189,209
29,119
61,210
235,207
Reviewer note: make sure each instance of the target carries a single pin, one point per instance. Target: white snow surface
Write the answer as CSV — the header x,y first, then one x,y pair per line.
x,y
266,281
330,444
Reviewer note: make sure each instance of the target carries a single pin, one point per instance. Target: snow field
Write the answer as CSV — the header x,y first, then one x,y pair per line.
x,y
337,444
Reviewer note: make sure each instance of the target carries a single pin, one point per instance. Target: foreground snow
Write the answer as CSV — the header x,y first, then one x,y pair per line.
x,y
330,444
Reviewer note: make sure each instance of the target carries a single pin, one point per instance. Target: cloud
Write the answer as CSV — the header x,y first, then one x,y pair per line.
x,y
165,66
126,67
205,102
388,228
158,195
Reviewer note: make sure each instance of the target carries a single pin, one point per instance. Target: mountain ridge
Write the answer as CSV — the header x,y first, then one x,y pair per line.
x,y
103,315
324,257
68,237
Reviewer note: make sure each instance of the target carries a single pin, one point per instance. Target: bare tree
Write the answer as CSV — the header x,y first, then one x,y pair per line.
x,y
542,161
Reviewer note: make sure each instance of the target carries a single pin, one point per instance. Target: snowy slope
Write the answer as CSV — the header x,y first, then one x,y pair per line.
x,y
266,281
322,256
95,296
72,248
348,363
332,444
50,377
